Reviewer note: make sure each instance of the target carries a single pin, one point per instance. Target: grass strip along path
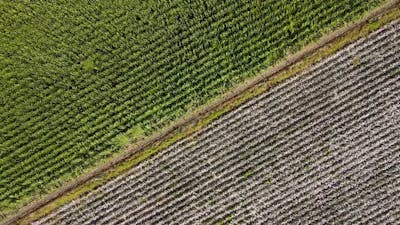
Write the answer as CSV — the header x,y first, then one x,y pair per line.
x,y
372,24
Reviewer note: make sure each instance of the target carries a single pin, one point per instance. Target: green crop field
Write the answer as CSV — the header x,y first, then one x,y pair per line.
x,y
80,80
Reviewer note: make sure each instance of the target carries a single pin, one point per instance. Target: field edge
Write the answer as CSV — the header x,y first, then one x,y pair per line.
x,y
200,118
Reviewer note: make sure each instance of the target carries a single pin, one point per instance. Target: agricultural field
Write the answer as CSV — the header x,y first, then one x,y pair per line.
x,y
321,147
78,81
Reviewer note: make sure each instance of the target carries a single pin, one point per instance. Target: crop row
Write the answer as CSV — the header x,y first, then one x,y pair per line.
x,y
313,149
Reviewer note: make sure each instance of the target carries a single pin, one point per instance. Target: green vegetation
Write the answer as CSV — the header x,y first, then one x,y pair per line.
x,y
225,221
78,80
248,173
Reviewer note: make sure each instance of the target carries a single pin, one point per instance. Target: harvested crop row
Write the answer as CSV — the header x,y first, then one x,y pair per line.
x,y
321,147
78,81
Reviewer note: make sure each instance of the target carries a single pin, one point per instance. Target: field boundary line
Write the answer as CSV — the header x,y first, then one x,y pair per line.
x,y
187,124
